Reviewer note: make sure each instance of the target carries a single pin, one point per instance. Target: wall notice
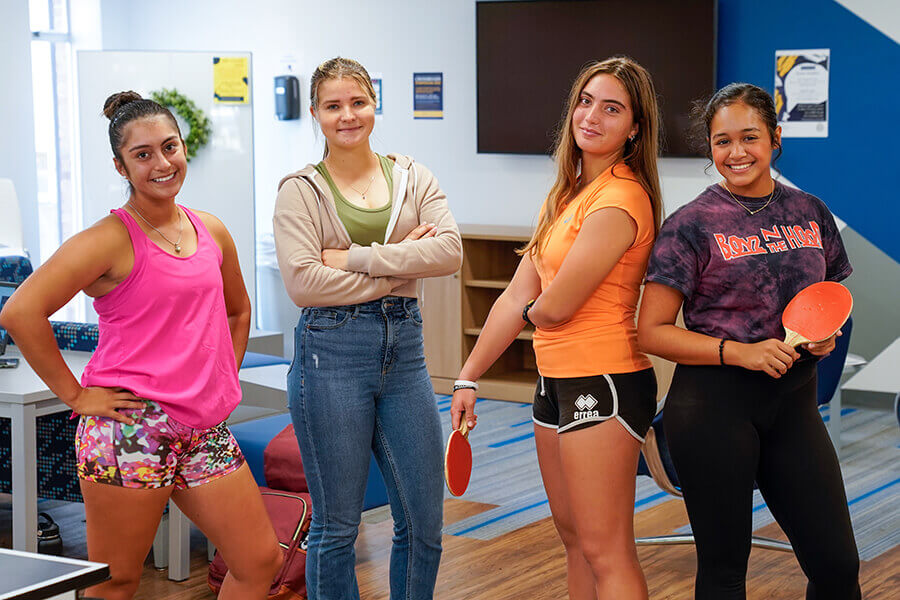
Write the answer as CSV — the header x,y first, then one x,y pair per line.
x,y
231,80
801,92
428,95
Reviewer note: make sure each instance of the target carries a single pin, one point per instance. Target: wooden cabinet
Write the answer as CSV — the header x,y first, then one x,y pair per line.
x,y
441,324
455,308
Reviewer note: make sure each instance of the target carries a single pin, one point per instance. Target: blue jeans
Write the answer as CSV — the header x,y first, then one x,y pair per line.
x,y
358,385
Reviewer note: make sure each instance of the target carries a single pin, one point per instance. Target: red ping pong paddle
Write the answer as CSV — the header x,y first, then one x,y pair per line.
x,y
816,313
458,459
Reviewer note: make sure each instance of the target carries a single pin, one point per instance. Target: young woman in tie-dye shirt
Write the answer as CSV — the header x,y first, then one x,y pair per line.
x,y
742,405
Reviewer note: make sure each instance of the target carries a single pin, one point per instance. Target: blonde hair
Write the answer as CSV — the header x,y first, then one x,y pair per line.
x,y
338,68
640,154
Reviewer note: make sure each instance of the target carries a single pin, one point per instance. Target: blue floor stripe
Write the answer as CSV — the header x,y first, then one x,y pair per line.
x,y
447,401
445,409
528,422
511,440
501,517
851,502
844,411
873,492
542,502
649,499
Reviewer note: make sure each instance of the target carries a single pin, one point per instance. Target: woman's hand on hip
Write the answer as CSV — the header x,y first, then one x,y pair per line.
x,y
772,356
106,402
823,348
336,259
463,403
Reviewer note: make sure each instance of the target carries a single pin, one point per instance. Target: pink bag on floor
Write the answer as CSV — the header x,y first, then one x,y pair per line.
x,y
290,513
282,465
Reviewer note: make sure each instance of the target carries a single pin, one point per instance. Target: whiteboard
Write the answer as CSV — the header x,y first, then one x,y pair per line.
x,y
219,178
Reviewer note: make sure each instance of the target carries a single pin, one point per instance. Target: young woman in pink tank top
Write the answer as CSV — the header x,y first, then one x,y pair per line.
x,y
174,320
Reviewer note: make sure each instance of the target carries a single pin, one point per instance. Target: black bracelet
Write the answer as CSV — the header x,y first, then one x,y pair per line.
x,y
525,311
722,352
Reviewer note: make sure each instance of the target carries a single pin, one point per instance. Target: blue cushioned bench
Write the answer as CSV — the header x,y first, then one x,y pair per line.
x,y
254,436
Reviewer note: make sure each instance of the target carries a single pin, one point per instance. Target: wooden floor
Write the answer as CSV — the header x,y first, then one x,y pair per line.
x,y
529,564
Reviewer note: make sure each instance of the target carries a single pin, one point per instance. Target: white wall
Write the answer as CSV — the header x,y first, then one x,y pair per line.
x,y
394,38
17,115
883,16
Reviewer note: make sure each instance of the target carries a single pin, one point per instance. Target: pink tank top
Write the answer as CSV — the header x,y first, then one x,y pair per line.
x,y
164,331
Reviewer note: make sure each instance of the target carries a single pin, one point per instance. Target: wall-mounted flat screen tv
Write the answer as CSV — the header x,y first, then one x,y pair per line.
x,y
529,53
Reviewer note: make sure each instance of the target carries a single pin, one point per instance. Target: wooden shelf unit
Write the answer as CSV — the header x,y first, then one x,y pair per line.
x,y
456,307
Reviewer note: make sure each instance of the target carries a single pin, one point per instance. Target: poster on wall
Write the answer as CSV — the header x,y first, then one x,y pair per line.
x,y
231,80
801,92
376,84
428,95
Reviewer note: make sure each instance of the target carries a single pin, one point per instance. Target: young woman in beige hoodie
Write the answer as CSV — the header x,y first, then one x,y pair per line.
x,y
353,235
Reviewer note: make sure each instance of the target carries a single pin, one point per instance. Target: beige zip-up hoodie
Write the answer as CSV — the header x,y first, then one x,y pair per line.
x,y
306,222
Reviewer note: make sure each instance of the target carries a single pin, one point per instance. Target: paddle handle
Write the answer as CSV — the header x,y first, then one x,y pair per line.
x,y
793,338
463,425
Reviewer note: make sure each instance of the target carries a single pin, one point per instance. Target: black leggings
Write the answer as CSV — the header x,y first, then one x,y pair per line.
x,y
728,427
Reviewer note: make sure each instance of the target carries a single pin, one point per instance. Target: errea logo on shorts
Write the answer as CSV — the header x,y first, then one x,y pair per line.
x,y
585,404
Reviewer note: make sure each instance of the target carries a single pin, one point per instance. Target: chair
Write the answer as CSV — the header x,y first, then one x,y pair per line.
x,y
11,224
656,462
829,372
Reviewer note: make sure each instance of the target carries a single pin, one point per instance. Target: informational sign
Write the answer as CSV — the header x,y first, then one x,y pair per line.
x,y
231,80
376,83
428,95
801,92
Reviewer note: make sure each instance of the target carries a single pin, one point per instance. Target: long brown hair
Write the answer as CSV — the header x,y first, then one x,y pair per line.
x,y
640,154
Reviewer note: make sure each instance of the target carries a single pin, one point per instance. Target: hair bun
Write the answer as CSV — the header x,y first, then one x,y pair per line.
x,y
117,101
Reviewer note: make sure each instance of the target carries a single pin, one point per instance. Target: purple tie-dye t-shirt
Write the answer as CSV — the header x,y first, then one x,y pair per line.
x,y
738,271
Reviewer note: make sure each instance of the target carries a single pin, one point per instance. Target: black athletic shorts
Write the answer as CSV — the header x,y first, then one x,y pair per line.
x,y
571,403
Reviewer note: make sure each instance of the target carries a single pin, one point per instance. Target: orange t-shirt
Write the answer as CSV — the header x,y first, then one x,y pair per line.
x,y
601,337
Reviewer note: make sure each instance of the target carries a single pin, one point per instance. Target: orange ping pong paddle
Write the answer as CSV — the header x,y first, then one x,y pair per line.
x,y
816,313
458,459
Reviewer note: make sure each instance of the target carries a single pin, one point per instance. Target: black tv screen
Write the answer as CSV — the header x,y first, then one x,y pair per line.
x,y
529,53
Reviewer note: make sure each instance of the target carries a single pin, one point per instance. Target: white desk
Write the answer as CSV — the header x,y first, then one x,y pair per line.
x,y
265,387
23,398
881,375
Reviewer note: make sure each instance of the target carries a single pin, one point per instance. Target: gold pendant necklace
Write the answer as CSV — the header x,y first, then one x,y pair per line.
x,y
176,243
744,206
365,191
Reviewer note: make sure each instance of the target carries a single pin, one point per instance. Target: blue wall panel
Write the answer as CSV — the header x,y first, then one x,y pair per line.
x,y
854,170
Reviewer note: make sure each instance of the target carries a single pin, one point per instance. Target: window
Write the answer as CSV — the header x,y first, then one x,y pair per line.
x,y
59,210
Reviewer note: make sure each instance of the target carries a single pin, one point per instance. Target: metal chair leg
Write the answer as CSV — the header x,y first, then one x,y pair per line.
x,y
688,538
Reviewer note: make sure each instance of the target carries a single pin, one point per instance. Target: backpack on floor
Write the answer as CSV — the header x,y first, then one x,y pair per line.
x,y
290,513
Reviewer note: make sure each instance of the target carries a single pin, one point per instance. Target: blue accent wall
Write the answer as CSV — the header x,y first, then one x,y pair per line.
x,y
856,169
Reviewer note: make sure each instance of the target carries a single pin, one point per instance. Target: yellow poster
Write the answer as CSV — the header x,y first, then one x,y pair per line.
x,y
231,80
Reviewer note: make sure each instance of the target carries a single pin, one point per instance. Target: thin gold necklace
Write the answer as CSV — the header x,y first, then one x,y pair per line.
x,y
744,206
176,243
365,191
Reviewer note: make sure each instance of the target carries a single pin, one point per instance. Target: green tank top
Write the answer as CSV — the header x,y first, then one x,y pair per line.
x,y
365,225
